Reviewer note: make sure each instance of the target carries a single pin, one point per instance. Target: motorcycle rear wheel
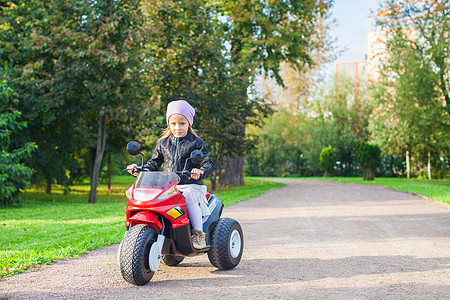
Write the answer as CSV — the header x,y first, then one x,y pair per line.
x,y
134,254
172,260
227,244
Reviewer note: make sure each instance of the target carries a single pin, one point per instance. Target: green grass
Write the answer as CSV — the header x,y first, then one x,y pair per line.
x,y
58,226
437,190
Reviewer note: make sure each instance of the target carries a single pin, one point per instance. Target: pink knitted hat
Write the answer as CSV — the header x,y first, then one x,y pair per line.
x,y
181,107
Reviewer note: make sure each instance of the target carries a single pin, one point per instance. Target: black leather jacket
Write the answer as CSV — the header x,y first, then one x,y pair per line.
x,y
172,153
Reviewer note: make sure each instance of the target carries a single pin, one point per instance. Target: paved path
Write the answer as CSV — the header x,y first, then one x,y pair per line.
x,y
309,240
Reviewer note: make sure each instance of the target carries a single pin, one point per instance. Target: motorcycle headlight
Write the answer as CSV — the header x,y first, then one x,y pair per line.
x,y
175,212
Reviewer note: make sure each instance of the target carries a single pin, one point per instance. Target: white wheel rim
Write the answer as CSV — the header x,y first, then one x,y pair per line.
x,y
154,257
235,243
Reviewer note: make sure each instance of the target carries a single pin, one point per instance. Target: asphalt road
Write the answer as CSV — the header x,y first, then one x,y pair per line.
x,y
309,240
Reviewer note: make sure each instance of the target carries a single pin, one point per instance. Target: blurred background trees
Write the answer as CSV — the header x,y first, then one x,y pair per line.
x,y
89,76
77,70
404,111
411,97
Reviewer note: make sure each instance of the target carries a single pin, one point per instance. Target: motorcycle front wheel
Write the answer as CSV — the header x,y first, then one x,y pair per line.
x,y
134,254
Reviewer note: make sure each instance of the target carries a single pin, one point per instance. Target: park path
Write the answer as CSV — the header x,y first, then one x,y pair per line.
x,y
309,240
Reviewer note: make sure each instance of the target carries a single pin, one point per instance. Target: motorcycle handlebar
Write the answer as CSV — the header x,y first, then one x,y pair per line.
x,y
182,173
136,169
187,173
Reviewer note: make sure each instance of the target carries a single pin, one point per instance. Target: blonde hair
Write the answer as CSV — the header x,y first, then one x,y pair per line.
x,y
168,133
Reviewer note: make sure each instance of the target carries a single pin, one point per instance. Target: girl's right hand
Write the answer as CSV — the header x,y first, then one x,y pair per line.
x,y
131,170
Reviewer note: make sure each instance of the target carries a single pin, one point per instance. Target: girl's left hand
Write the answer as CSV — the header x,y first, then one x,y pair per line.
x,y
197,175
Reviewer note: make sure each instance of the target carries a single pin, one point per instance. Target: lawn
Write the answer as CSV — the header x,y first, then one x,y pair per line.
x,y
437,190
58,226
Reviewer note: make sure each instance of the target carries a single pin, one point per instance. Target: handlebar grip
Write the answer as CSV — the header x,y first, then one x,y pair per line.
x,y
188,174
137,169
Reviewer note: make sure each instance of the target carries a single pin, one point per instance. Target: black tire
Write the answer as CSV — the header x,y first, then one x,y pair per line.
x,y
172,260
133,258
227,244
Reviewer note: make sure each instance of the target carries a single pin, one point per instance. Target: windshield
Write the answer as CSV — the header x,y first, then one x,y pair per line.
x,y
156,180
148,185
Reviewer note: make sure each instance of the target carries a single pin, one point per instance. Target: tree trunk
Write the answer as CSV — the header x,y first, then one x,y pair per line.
x,y
429,166
408,166
232,166
101,141
214,181
48,186
92,161
232,171
370,174
109,173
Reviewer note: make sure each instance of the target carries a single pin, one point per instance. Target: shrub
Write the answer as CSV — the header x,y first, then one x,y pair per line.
x,y
327,160
369,159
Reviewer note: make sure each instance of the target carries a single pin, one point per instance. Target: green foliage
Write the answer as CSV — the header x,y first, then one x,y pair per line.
x,y
14,174
51,227
392,166
369,159
294,140
338,117
74,64
186,41
260,36
327,160
368,155
411,95
70,64
279,151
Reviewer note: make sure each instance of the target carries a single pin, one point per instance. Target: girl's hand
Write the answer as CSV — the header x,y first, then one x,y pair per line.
x,y
197,175
131,167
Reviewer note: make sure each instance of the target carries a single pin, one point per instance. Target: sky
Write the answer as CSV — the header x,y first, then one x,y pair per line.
x,y
352,25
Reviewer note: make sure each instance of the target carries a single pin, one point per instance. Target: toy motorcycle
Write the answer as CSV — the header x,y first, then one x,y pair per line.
x,y
158,227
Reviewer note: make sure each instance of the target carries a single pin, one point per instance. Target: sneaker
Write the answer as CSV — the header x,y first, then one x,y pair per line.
x,y
198,239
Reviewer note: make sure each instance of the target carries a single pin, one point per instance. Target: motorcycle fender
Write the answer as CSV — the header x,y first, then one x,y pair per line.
x,y
146,217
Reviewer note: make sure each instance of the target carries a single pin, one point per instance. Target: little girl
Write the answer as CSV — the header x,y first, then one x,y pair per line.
x,y
172,150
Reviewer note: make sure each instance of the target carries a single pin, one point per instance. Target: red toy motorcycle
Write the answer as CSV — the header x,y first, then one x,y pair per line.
x,y
158,227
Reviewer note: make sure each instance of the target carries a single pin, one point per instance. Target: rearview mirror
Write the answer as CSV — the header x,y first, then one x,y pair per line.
x,y
197,157
133,148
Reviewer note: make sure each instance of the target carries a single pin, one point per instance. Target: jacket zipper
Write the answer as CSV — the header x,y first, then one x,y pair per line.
x,y
176,153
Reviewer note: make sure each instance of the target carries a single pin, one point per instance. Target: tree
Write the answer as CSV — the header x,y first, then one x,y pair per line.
x,y
187,61
261,35
14,173
300,84
411,96
77,68
278,150
111,71
327,161
338,116
369,159
25,34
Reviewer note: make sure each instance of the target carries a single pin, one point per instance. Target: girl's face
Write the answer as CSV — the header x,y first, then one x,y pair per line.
x,y
178,125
